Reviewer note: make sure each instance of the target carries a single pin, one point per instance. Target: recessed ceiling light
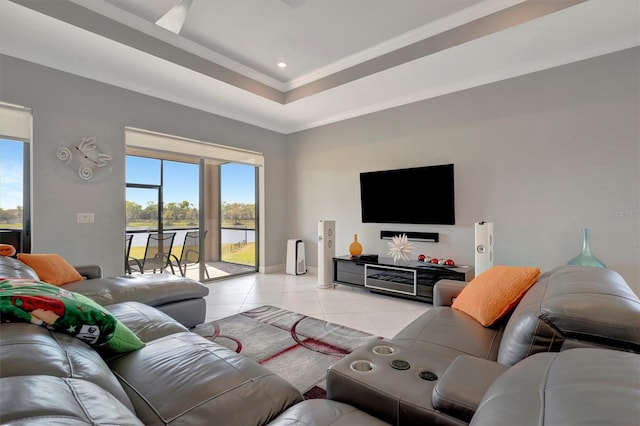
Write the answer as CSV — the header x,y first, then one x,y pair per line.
x,y
282,64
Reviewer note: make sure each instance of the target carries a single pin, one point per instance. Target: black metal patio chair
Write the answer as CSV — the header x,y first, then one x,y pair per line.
x,y
128,260
157,254
190,253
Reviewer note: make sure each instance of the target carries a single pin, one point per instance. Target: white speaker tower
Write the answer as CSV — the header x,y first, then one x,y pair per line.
x,y
484,247
326,252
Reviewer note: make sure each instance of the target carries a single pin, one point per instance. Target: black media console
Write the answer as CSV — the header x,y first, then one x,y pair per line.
x,y
415,280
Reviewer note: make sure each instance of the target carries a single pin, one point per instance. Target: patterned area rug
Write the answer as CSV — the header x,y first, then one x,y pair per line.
x,y
297,347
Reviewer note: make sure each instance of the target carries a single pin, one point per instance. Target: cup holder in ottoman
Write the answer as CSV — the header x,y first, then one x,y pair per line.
x,y
361,366
383,350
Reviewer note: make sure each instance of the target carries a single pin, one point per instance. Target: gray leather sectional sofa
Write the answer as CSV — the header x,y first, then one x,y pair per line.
x,y
566,355
178,377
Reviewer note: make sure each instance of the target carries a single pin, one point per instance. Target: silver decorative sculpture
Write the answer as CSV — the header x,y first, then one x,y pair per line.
x,y
400,248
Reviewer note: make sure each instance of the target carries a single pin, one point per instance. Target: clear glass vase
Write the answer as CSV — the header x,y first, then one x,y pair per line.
x,y
585,258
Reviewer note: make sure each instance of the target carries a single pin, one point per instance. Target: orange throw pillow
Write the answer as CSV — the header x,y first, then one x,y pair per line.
x,y
51,268
492,294
7,250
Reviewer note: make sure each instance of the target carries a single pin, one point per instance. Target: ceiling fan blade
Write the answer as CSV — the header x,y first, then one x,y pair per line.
x,y
175,17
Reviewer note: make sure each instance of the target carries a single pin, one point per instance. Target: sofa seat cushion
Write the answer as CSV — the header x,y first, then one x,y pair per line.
x,y
573,387
146,322
317,412
150,289
27,349
448,333
48,400
186,379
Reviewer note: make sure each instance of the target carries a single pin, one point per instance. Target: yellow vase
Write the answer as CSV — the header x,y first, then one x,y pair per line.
x,y
355,248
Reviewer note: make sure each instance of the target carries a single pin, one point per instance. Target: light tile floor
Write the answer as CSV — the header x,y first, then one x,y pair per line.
x,y
349,306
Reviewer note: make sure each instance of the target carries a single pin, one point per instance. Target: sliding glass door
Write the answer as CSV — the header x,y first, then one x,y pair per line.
x,y
207,197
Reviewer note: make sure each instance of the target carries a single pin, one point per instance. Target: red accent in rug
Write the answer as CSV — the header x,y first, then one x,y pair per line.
x,y
295,346
315,393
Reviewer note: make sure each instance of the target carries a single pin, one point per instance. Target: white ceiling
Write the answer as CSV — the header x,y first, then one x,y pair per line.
x,y
346,57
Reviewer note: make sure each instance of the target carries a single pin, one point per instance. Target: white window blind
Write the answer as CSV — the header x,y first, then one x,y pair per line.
x,y
153,141
15,122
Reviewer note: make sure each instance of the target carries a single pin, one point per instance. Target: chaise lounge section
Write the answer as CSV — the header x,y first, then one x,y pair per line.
x,y
179,297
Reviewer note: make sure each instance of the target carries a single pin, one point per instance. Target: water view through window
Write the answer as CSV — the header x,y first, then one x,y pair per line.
x,y
238,213
11,184
12,196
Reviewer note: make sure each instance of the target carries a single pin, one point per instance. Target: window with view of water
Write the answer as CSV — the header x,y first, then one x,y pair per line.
x,y
238,213
13,183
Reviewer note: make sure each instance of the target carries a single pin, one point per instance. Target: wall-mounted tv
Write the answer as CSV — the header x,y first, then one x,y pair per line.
x,y
419,195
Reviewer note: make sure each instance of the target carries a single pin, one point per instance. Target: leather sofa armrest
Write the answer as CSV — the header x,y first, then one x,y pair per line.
x,y
89,271
460,389
444,291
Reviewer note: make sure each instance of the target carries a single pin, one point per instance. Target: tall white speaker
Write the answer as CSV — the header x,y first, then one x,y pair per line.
x,y
326,252
484,247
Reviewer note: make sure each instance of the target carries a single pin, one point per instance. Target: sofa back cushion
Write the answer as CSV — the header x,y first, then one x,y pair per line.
x,y
47,400
574,387
13,268
582,303
31,350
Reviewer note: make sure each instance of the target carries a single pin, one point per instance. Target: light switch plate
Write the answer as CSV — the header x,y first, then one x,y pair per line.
x,y
86,218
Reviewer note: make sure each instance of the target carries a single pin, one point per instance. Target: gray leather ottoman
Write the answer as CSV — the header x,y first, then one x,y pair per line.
x,y
366,380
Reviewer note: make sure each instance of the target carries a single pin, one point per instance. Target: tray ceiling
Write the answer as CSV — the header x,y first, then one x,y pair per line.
x,y
345,57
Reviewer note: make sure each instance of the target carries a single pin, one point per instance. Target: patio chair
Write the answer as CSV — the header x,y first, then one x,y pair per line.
x,y
190,253
157,254
128,260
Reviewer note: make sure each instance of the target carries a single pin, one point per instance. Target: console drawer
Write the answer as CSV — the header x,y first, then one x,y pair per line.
x,y
388,278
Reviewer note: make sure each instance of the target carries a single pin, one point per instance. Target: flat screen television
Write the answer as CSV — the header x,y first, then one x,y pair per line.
x,y
419,195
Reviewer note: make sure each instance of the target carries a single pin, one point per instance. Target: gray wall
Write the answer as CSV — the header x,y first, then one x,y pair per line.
x,y
63,104
541,156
